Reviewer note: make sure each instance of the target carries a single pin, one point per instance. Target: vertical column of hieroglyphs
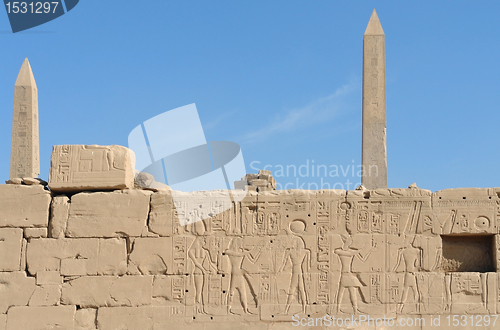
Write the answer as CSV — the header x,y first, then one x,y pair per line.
x,y
374,123
24,157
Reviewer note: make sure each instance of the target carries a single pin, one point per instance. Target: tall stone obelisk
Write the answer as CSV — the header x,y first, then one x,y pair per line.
x,y
24,154
374,155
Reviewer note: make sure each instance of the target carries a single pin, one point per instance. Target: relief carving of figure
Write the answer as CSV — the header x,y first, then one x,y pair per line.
x,y
412,257
239,276
300,259
203,265
347,278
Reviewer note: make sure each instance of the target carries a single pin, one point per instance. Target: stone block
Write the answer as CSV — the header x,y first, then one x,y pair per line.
x,y
114,214
112,259
240,184
11,241
250,177
46,295
47,254
35,232
100,291
74,267
3,321
153,256
259,183
138,318
16,290
264,172
48,278
59,211
162,214
91,167
265,177
85,319
24,206
41,318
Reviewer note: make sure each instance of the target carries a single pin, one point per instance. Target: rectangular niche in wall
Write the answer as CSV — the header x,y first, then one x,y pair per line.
x,y
468,253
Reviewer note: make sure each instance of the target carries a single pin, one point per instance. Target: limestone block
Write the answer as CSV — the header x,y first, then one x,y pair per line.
x,y
59,210
85,319
162,214
465,211
48,278
114,214
138,318
74,267
11,240
24,206
155,256
259,183
91,167
112,259
47,254
14,181
16,290
3,321
35,232
99,291
38,318
34,181
264,172
46,295
250,177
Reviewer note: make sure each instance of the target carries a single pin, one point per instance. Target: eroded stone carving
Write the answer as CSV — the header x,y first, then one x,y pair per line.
x,y
91,167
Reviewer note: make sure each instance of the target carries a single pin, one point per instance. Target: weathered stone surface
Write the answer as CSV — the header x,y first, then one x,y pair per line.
x,y
46,295
85,319
162,219
16,290
152,256
91,167
24,206
34,181
3,321
139,318
374,155
48,278
25,154
70,257
14,181
114,214
41,318
59,211
145,180
47,254
112,259
99,291
11,242
35,232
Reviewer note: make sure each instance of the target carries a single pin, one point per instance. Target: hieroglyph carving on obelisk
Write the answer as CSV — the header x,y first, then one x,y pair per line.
x,y
25,155
374,122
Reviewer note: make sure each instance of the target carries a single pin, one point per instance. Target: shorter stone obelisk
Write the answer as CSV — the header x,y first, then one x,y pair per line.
x,y
25,154
374,154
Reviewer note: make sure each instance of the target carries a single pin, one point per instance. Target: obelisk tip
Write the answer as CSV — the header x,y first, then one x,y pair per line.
x,y
374,27
25,76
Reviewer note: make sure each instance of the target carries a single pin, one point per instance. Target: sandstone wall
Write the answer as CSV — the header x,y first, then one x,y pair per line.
x,y
120,260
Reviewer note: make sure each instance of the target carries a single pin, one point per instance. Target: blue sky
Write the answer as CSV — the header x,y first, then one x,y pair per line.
x,y
280,78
